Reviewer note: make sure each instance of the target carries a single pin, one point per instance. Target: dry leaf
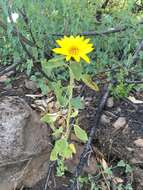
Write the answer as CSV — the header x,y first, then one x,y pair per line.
x,y
104,164
134,100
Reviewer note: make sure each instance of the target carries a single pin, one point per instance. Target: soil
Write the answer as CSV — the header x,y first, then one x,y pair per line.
x,y
114,144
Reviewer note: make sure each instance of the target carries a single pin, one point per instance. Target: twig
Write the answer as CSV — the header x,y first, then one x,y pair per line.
x,y
35,63
14,33
42,72
104,5
99,12
136,54
108,70
26,20
84,155
9,68
94,33
50,166
134,81
113,30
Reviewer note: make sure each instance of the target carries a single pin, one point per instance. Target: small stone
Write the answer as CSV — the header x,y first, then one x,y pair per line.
x,y
105,119
3,78
118,110
110,102
30,85
120,122
139,142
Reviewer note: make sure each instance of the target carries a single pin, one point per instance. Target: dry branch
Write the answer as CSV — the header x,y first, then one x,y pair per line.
x,y
14,33
137,51
9,68
95,33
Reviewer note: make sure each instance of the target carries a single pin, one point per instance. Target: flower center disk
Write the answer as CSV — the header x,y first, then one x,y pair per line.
x,y
74,51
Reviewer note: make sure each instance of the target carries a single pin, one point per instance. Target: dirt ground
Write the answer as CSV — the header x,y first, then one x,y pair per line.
x,y
118,138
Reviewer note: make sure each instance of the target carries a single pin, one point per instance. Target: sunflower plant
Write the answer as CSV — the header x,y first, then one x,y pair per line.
x,y
72,56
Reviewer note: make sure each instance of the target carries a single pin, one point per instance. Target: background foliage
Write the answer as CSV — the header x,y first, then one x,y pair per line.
x,y
46,20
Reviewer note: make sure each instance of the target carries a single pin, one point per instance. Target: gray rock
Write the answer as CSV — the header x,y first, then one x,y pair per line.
x,y
24,144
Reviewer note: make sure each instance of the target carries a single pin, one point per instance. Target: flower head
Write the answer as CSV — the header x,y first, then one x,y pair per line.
x,y
74,47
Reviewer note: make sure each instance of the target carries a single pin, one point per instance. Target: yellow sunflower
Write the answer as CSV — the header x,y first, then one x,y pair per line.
x,y
74,47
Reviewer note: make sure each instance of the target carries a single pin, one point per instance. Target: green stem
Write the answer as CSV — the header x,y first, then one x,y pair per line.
x,y
71,86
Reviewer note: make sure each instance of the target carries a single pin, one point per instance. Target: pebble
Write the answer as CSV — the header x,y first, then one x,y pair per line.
x,y
105,119
120,122
139,142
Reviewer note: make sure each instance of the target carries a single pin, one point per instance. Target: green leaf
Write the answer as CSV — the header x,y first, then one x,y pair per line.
x,y
62,149
75,113
67,153
128,187
43,86
61,168
58,132
80,133
77,103
53,155
50,118
121,163
52,63
59,90
29,67
77,70
129,169
88,81
61,145
108,171
141,55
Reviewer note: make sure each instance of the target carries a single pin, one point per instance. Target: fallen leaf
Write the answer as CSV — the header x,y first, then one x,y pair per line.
x,y
104,164
117,180
134,100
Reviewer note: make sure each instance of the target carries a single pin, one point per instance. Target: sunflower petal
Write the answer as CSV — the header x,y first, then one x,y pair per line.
x,y
77,58
86,58
87,40
59,51
68,57
59,42
88,50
